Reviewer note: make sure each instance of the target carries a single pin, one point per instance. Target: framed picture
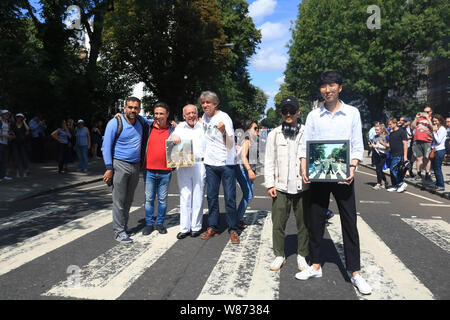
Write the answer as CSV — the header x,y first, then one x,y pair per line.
x,y
179,155
327,160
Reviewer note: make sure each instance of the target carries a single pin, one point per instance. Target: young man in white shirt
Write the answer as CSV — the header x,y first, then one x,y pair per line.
x,y
284,183
191,180
335,120
220,162
5,137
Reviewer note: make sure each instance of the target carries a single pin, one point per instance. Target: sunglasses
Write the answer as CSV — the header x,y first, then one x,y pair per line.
x,y
287,111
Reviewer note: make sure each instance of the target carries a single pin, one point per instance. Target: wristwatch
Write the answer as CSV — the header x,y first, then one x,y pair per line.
x,y
352,165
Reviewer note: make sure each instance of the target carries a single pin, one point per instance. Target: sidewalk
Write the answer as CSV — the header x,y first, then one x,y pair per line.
x,y
44,178
445,170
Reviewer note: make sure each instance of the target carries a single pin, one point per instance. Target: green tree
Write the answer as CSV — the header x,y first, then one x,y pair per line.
x,y
173,46
333,35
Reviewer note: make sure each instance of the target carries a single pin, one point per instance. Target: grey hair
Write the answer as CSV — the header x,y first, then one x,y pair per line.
x,y
189,105
212,96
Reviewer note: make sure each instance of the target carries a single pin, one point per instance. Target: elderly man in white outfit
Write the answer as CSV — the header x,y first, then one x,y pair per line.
x,y
191,180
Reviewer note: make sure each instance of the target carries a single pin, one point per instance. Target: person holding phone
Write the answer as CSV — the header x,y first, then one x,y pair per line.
x,y
423,137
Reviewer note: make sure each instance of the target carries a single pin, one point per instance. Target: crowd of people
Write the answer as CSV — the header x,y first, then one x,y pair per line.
x,y
132,142
22,142
424,141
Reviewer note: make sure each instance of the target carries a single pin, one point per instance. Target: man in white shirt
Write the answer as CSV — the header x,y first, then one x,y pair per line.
x,y
220,162
335,120
191,180
284,183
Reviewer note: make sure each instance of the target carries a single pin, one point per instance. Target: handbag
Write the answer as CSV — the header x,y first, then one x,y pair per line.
x,y
432,153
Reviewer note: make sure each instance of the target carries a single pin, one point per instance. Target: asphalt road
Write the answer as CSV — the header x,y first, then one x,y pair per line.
x,y
61,246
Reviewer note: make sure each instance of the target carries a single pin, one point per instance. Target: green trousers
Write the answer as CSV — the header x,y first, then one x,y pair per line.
x,y
281,209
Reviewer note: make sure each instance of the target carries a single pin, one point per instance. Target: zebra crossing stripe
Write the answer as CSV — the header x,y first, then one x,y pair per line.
x,y
27,216
109,275
242,272
14,256
389,277
437,231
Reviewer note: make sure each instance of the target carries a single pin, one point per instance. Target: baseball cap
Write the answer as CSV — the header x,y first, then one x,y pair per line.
x,y
289,101
80,121
5,111
20,115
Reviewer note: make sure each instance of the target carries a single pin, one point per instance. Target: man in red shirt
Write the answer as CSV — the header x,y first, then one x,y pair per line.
x,y
423,137
157,175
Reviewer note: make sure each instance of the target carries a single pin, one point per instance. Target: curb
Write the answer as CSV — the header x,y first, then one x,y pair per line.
x,y
52,189
445,195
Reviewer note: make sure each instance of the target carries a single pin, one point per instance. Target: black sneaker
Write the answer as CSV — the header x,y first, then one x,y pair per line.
x,y
147,230
161,229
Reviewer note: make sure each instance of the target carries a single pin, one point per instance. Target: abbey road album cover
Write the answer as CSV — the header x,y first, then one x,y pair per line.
x,y
179,155
327,161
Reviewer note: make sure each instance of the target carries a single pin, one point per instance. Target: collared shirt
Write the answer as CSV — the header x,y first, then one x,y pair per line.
x,y
186,132
345,124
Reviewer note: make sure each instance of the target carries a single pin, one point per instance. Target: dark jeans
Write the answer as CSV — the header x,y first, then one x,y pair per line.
x,y
395,165
214,175
379,161
62,155
317,216
438,158
3,159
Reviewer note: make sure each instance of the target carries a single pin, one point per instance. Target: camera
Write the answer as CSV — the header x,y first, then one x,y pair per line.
x,y
423,114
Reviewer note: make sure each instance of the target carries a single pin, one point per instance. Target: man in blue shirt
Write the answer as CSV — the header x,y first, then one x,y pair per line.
x,y
335,120
122,157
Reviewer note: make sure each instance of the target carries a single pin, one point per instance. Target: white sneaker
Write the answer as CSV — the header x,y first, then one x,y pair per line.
x,y
277,263
377,187
402,187
302,264
391,189
361,284
309,273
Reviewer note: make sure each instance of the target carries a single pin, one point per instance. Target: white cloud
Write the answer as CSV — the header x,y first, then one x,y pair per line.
x,y
280,80
261,8
272,31
269,60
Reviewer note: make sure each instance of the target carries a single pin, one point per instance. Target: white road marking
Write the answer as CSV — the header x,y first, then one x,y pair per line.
x,y
14,256
242,271
113,272
369,174
374,202
436,231
435,205
382,269
422,197
27,216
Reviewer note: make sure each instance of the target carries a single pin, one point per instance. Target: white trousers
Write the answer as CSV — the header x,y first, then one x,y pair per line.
x,y
191,183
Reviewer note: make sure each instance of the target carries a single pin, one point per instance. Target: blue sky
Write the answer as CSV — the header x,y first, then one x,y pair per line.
x,y
274,18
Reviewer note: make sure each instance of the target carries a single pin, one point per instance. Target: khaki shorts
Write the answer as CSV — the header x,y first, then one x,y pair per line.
x,y
421,149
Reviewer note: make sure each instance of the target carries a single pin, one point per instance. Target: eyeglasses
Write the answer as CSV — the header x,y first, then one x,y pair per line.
x,y
291,111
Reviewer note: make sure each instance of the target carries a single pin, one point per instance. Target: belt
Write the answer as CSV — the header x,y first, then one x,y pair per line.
x,y
199,159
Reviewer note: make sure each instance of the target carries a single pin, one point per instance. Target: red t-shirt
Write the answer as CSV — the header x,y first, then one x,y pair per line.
x,y
423,131
156,149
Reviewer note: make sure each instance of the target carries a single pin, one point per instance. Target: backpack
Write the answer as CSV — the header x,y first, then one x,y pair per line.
x,y
120,126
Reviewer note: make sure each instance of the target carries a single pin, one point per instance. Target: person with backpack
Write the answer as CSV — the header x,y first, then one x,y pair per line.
x,y
123,156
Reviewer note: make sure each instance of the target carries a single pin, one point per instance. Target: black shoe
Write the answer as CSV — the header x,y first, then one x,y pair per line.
x,y
147,230
129,232
161,229
182,235
196,233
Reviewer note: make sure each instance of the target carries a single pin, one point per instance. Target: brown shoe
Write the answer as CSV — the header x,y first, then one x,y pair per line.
x,y
208,234
234,237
